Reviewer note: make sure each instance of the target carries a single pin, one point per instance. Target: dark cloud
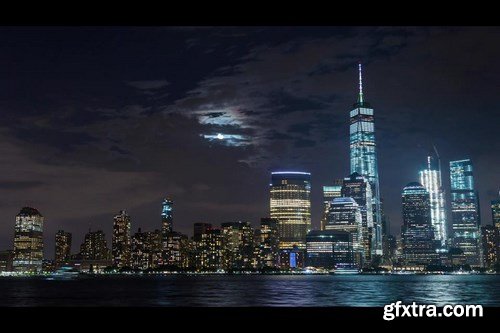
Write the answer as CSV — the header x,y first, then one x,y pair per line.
x,y
19,185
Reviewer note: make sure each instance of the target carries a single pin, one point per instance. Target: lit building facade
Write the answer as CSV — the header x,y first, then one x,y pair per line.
x,y
189,254
167,218
329,248
177,250
495,212
210,251
6,258
465,211
390,250
146,249
290,204
28,241
121,243
63,247
238,245
430,178
199,229
363,156
94,246
48,266
269,243
490,237
357,187
417,231
345,215
330,192
292,259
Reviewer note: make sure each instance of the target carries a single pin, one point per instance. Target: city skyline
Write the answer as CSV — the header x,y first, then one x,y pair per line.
x,y
211,197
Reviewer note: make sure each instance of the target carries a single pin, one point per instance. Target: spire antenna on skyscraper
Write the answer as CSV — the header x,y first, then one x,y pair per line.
x,y
363,155
360,84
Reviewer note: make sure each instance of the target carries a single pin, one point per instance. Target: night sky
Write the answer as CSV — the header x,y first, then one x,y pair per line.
x,y
95,120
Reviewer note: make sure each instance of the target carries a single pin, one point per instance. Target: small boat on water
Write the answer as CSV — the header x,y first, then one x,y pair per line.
x,y
461,272
345,269
64,273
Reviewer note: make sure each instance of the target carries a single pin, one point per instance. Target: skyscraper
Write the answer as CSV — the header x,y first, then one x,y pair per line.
x,y
177,250
465,211
28,241
490,235
167,216
357,187
290,204
345,215
238,245
330,192
269,241
63,247
417,231
166,226
430,178
121,245
364,157
94,246
146,251
210,250
495,212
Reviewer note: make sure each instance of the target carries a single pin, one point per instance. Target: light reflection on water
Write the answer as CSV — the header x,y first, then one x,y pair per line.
x,y
252,290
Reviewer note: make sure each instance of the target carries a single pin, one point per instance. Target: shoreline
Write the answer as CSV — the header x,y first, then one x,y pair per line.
x,y
97,275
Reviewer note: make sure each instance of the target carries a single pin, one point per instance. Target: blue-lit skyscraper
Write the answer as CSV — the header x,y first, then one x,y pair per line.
x,y
465,211
430,178
166,216
364,158
166,226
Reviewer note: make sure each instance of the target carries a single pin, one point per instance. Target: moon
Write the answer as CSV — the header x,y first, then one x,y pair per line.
x,y
220,136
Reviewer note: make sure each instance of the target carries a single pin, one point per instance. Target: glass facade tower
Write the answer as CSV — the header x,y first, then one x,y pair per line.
x,y
345,215
290,204
357,187
430,178
495,212
465,211
28,241
330,192
417,233
363,155
329,248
